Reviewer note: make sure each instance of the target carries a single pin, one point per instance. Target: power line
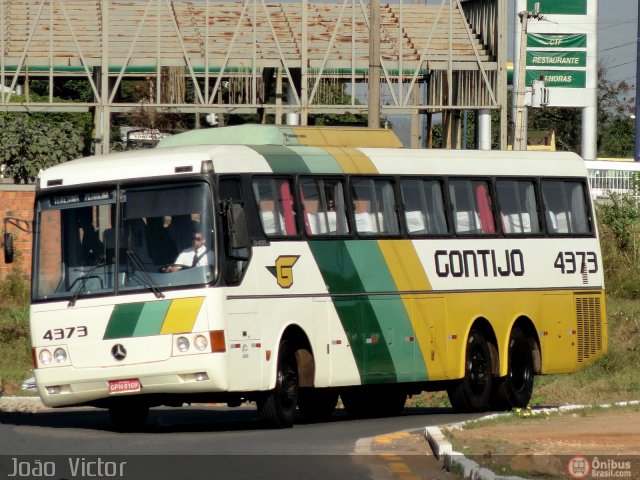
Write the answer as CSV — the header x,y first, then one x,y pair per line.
x,y
621,64
617,46
633,20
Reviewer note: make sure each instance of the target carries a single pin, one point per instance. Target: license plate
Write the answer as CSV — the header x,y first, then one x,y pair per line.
x,y
124,386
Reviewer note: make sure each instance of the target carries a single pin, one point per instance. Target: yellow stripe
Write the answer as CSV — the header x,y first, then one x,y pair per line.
x,y
405,265
346,137
182,315
409,275
351,160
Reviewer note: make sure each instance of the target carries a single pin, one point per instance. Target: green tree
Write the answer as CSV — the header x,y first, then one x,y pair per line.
x,y
29,143
615,126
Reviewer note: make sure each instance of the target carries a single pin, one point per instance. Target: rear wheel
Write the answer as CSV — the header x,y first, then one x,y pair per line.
x,y
317,403
515,390
278,407
472,392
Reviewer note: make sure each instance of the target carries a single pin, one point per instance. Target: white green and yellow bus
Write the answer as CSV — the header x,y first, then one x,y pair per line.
x,y
338,264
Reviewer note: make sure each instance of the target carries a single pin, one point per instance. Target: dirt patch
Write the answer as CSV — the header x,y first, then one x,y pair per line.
x,y
541,444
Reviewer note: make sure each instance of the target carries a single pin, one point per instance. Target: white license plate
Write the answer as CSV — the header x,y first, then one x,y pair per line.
x,y
124,386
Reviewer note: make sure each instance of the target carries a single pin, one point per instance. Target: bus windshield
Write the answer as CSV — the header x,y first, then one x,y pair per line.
x,y
144,238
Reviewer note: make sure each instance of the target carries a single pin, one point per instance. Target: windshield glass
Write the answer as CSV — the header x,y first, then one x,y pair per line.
x,y
151,238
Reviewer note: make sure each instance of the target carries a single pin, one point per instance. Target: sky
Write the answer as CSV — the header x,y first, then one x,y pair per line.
x,y
617,36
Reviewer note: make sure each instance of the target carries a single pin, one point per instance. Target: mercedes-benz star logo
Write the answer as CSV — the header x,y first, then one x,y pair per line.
x,y
119,352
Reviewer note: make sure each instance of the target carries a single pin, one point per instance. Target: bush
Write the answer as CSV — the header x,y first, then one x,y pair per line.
x,y
619,225
15,355
30,143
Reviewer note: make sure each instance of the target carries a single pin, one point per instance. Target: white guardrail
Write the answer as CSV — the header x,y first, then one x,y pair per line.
x,y
611,176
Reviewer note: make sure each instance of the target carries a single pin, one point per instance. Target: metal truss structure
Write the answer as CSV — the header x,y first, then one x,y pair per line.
x,y
443,56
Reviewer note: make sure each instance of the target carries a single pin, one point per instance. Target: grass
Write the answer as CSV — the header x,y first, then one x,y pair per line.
x,y
15,354
612,378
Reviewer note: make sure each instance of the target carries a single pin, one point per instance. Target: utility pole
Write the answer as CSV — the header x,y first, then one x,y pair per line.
x,y
519,135
374,64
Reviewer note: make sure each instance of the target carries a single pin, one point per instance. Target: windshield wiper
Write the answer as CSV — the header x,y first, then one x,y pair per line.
x,y
100,262
145,273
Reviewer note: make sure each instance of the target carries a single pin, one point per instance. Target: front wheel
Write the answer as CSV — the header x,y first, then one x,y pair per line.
x,y
278,407
515,390
473,391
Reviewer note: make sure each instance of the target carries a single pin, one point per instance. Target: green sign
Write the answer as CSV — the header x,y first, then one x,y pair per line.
x,y
559,7
558,78
557,40
556,59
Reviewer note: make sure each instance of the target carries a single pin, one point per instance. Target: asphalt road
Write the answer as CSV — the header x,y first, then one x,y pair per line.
x,y
217,443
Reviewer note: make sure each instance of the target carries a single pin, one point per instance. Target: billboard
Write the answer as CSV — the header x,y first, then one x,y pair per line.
x,y
562,50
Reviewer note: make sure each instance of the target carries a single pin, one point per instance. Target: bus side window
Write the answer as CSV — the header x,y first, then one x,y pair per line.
x,y
565,207
275,203
472,207
375,206
518,207
324,206
423,206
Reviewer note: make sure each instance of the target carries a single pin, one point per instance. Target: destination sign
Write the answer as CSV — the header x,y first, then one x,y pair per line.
x,y
60,200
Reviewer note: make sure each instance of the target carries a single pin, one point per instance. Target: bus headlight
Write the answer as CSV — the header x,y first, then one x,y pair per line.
x,y
183,344
201,343
60,355
45,357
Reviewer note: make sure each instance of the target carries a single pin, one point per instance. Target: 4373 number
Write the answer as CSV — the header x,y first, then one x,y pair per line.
x,y
63,333
580,262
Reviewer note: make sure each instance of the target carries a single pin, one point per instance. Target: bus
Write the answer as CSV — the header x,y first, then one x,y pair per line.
x,y
338,265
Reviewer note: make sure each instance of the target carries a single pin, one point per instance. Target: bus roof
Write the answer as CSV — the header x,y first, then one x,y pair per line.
x,y
175,161
285,136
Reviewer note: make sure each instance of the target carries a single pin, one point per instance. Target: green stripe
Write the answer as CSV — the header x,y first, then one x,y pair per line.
x,y
123,321
282,159
318,160
389,310
151,318
356,313
359,267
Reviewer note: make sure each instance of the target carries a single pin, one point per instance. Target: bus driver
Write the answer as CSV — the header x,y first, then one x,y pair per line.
x,y
198,255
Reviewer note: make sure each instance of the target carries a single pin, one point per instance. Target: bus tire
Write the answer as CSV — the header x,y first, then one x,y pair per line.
x,y
128,417
515,389
317,403
277,408
472,393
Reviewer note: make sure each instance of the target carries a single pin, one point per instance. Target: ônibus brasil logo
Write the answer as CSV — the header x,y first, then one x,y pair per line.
x,y
579,467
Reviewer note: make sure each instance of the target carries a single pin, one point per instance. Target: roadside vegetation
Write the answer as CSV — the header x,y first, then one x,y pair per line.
x,y
15,354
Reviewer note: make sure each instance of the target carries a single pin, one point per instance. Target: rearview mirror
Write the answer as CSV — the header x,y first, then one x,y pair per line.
x,y
8,248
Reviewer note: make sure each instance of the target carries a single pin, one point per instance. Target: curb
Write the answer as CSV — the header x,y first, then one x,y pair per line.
x,y
452,460
21,404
